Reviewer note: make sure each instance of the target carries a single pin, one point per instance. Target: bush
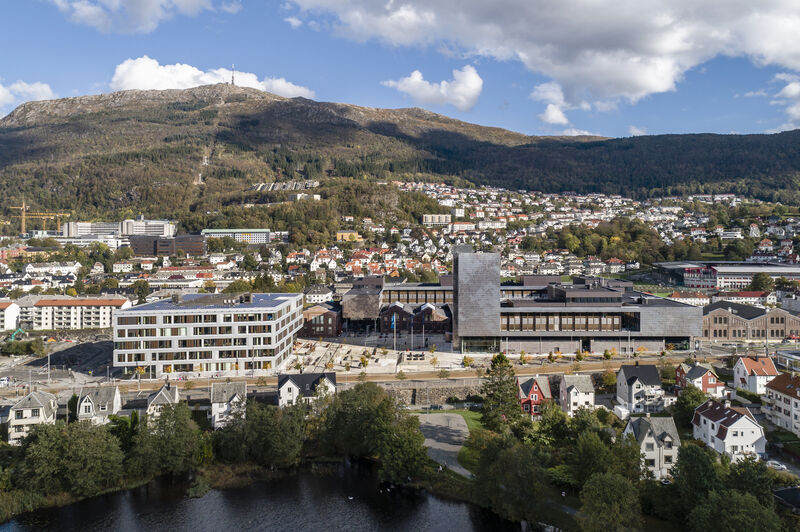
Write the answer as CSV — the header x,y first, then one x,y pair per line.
x,y
750,396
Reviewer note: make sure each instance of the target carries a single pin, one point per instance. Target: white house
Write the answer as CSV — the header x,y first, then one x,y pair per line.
x,y
659,442
733,431
97,403
753,373
52,268
122,267
782,402
9,315
228,399
576,391
156,401
36,408
318,294
639,390
296,387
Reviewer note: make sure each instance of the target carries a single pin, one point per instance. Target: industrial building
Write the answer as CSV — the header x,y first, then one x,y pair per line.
x,y
139,226
205,335
250,236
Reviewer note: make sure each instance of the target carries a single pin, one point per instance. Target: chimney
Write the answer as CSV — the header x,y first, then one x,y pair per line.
x,y
647,415
636,363
727,403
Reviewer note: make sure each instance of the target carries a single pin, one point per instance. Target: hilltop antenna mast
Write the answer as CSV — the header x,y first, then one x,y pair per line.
x,y
233,72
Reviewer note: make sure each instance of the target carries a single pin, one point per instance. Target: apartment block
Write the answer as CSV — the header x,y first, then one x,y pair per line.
x,y
64,312
207,335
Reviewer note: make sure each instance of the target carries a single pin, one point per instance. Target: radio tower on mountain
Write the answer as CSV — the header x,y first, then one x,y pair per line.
x,y
233,72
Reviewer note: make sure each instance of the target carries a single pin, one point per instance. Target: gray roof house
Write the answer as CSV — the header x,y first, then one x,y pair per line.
x,y
95,404
167,395
659,441
639,390
576,391
227,400
296,387
36,408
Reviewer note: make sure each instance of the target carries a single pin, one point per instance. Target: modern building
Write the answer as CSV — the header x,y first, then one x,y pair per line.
x,y
722,274
781,402
532,393
752,374
228,399
476,301
436,220
138,226
730,430
747,297
727,321
9,315
301,388
249,236
658,440
95,404
209,334
700,375
36,408
159,246
65,312
576,391
639,390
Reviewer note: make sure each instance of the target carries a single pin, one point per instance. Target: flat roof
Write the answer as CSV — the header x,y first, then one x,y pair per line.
x,y
217,231
215,302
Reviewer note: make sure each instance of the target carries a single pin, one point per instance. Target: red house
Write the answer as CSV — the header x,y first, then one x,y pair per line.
x,y
701,376
532,392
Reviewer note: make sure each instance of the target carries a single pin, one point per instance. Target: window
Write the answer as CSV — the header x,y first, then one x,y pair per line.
x,y
87,409
18,414
668,445
35,412
648,447
651,463
668,459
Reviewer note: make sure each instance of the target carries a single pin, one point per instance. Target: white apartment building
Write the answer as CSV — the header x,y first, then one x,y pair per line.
x,y
45,313
251,236
209,334
38,269
576,391
36,408
9,315
732,431
436,220
782,402
138,226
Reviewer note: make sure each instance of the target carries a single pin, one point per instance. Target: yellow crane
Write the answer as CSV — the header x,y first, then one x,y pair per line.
x,y
43,216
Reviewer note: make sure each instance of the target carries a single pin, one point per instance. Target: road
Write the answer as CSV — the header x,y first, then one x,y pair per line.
x,y
445,434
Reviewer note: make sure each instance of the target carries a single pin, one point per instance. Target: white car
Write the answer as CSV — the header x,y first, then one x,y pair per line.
x,y
774,464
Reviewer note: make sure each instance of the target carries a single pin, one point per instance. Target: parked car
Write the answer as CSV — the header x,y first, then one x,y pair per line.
x,y
774,464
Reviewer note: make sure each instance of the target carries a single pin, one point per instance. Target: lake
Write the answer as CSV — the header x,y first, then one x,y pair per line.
x,y
348,497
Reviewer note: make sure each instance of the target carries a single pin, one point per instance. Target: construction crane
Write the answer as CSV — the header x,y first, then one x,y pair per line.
x,y
44,216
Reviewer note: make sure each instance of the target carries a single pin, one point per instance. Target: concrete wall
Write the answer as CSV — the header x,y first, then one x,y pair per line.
x,y
432,392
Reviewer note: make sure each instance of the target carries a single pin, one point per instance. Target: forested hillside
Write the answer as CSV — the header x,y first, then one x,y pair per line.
x,y
195,153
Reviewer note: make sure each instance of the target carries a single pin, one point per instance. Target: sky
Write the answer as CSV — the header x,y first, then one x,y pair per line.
x,y
615,68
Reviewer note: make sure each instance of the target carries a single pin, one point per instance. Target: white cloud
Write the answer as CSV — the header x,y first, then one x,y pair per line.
x,y
788,98
462,91
594,53
232,6
755,94
553,115
635,131
575,132
294,22
20,92
147,73
134,16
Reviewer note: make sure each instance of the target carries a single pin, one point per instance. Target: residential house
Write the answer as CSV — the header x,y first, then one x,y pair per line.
x,y
753,373
576,391
156,401
318,294
730,430
782,402
36,408
532,392
9,315
228,399
639,390
658,440
700,375
294,388
95,404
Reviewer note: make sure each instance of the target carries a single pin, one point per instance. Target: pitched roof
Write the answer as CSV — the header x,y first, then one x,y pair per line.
x,y
166,395
725,416
43,400
647,373
582,383
543,382
99,394
746,312
698,370
660,426
762,366
305,382
786,383
223,392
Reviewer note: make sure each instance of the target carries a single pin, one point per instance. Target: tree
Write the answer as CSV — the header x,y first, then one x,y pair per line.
x,y
109,284
732,510
434,362
168,443
751,476
762,282
694,474
589,456
499,389
238,286
610,503
467,361
688,400
141,289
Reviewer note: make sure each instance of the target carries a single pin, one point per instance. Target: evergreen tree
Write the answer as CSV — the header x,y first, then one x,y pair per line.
x,y
501,406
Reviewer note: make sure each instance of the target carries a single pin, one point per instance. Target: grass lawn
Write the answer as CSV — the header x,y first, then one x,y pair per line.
x,y
473,419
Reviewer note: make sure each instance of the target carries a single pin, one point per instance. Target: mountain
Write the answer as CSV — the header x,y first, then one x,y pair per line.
x,y
170,152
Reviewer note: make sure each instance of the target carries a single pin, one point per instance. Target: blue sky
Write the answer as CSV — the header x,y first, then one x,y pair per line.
x,y
527,65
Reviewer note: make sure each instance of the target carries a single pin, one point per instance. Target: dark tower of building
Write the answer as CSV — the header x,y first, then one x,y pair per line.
x,y
476,301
